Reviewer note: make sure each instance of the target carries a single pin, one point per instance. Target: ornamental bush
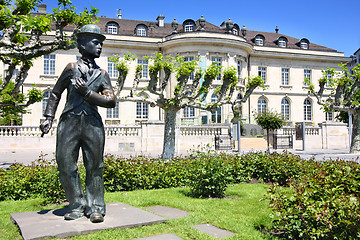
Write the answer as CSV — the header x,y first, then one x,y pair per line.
x,y
322,204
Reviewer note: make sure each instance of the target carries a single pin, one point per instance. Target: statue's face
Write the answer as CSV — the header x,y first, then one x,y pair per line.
x,y
93,47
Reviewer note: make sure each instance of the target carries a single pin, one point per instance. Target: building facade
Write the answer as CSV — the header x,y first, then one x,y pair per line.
x,y
283,62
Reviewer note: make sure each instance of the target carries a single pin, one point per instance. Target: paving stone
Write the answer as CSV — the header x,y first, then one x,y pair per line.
x,y
213,231
51,223
168,212
169,236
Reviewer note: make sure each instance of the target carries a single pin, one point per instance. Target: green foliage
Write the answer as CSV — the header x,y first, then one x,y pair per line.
x,y
269,120
210,176
212,71
38,180
322,204
35,95
122,64
255,82
183,68
230,74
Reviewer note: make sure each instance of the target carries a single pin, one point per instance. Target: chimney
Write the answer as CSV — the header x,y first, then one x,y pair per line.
x,y
277,29
119,14
42,8
160,20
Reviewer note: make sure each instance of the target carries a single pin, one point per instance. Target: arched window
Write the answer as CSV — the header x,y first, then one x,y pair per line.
x,y
259,40
142,109
262,105
189,26
112,28
215,115
307,110
285,109
113,112
303,43
45,100
189,111
282,42
141,31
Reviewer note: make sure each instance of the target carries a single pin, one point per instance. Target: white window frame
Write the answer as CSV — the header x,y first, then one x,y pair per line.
x,y
262,105
239,68
189,59
307,110
259,41
216,116
49,64
218,60
113,73
262,73
304,44
142,110
285,76
141,31
145,68
282,42
329,116
307,74
285,109
113,113
112,28
189,27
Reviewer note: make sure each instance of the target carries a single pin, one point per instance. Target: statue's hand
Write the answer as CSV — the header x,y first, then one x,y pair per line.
x,y
46,125
80,85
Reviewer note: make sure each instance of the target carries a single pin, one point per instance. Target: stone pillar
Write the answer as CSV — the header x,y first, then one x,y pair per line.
x,y
335,135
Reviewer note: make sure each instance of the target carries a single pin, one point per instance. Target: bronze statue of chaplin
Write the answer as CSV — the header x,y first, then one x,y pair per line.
x,y
80,126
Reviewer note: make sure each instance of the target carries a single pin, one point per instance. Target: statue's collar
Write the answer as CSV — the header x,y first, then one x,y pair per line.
x,y
89,62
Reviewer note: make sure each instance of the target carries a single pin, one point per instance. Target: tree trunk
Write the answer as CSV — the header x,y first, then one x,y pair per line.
x,y
355,143
268,140
169,133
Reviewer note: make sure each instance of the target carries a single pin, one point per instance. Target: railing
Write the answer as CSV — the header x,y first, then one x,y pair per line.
x,y
123,131
202,130
14,131
308,131
9,131
112,131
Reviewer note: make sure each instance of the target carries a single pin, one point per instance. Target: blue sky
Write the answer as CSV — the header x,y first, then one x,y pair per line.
x,y
334,24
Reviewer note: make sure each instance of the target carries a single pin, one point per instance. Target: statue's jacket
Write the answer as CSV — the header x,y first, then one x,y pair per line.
x,y
98,82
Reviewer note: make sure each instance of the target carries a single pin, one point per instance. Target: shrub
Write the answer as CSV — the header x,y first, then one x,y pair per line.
x,y
323,204
210,176
38,180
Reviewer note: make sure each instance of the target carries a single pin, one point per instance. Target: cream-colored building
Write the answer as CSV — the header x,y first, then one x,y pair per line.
x,y
284,62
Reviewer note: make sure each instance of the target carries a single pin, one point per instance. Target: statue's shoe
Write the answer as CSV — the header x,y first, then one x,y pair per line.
x,y
73,215
96,217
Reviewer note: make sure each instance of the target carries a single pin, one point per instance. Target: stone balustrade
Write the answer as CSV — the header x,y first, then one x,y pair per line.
x,y
308,130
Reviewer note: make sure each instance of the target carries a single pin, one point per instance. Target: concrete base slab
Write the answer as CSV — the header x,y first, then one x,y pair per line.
x,y
213,231
168,212
51,223
169,236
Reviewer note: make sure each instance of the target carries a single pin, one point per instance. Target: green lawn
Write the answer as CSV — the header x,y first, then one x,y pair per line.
x,y
243,213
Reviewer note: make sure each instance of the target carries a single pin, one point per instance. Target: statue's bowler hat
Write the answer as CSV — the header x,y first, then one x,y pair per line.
x,y
91,30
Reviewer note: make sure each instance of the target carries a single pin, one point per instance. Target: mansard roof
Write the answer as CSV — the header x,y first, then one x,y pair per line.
x,y
128,26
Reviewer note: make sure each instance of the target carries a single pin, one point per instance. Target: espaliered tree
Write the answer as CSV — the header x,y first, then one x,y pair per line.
x,y
185,93
24,37
344,96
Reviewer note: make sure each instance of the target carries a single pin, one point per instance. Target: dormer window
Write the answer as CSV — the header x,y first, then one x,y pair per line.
x,y
235,29
189,25
141,31
259,40
282,42
112,28
303,43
